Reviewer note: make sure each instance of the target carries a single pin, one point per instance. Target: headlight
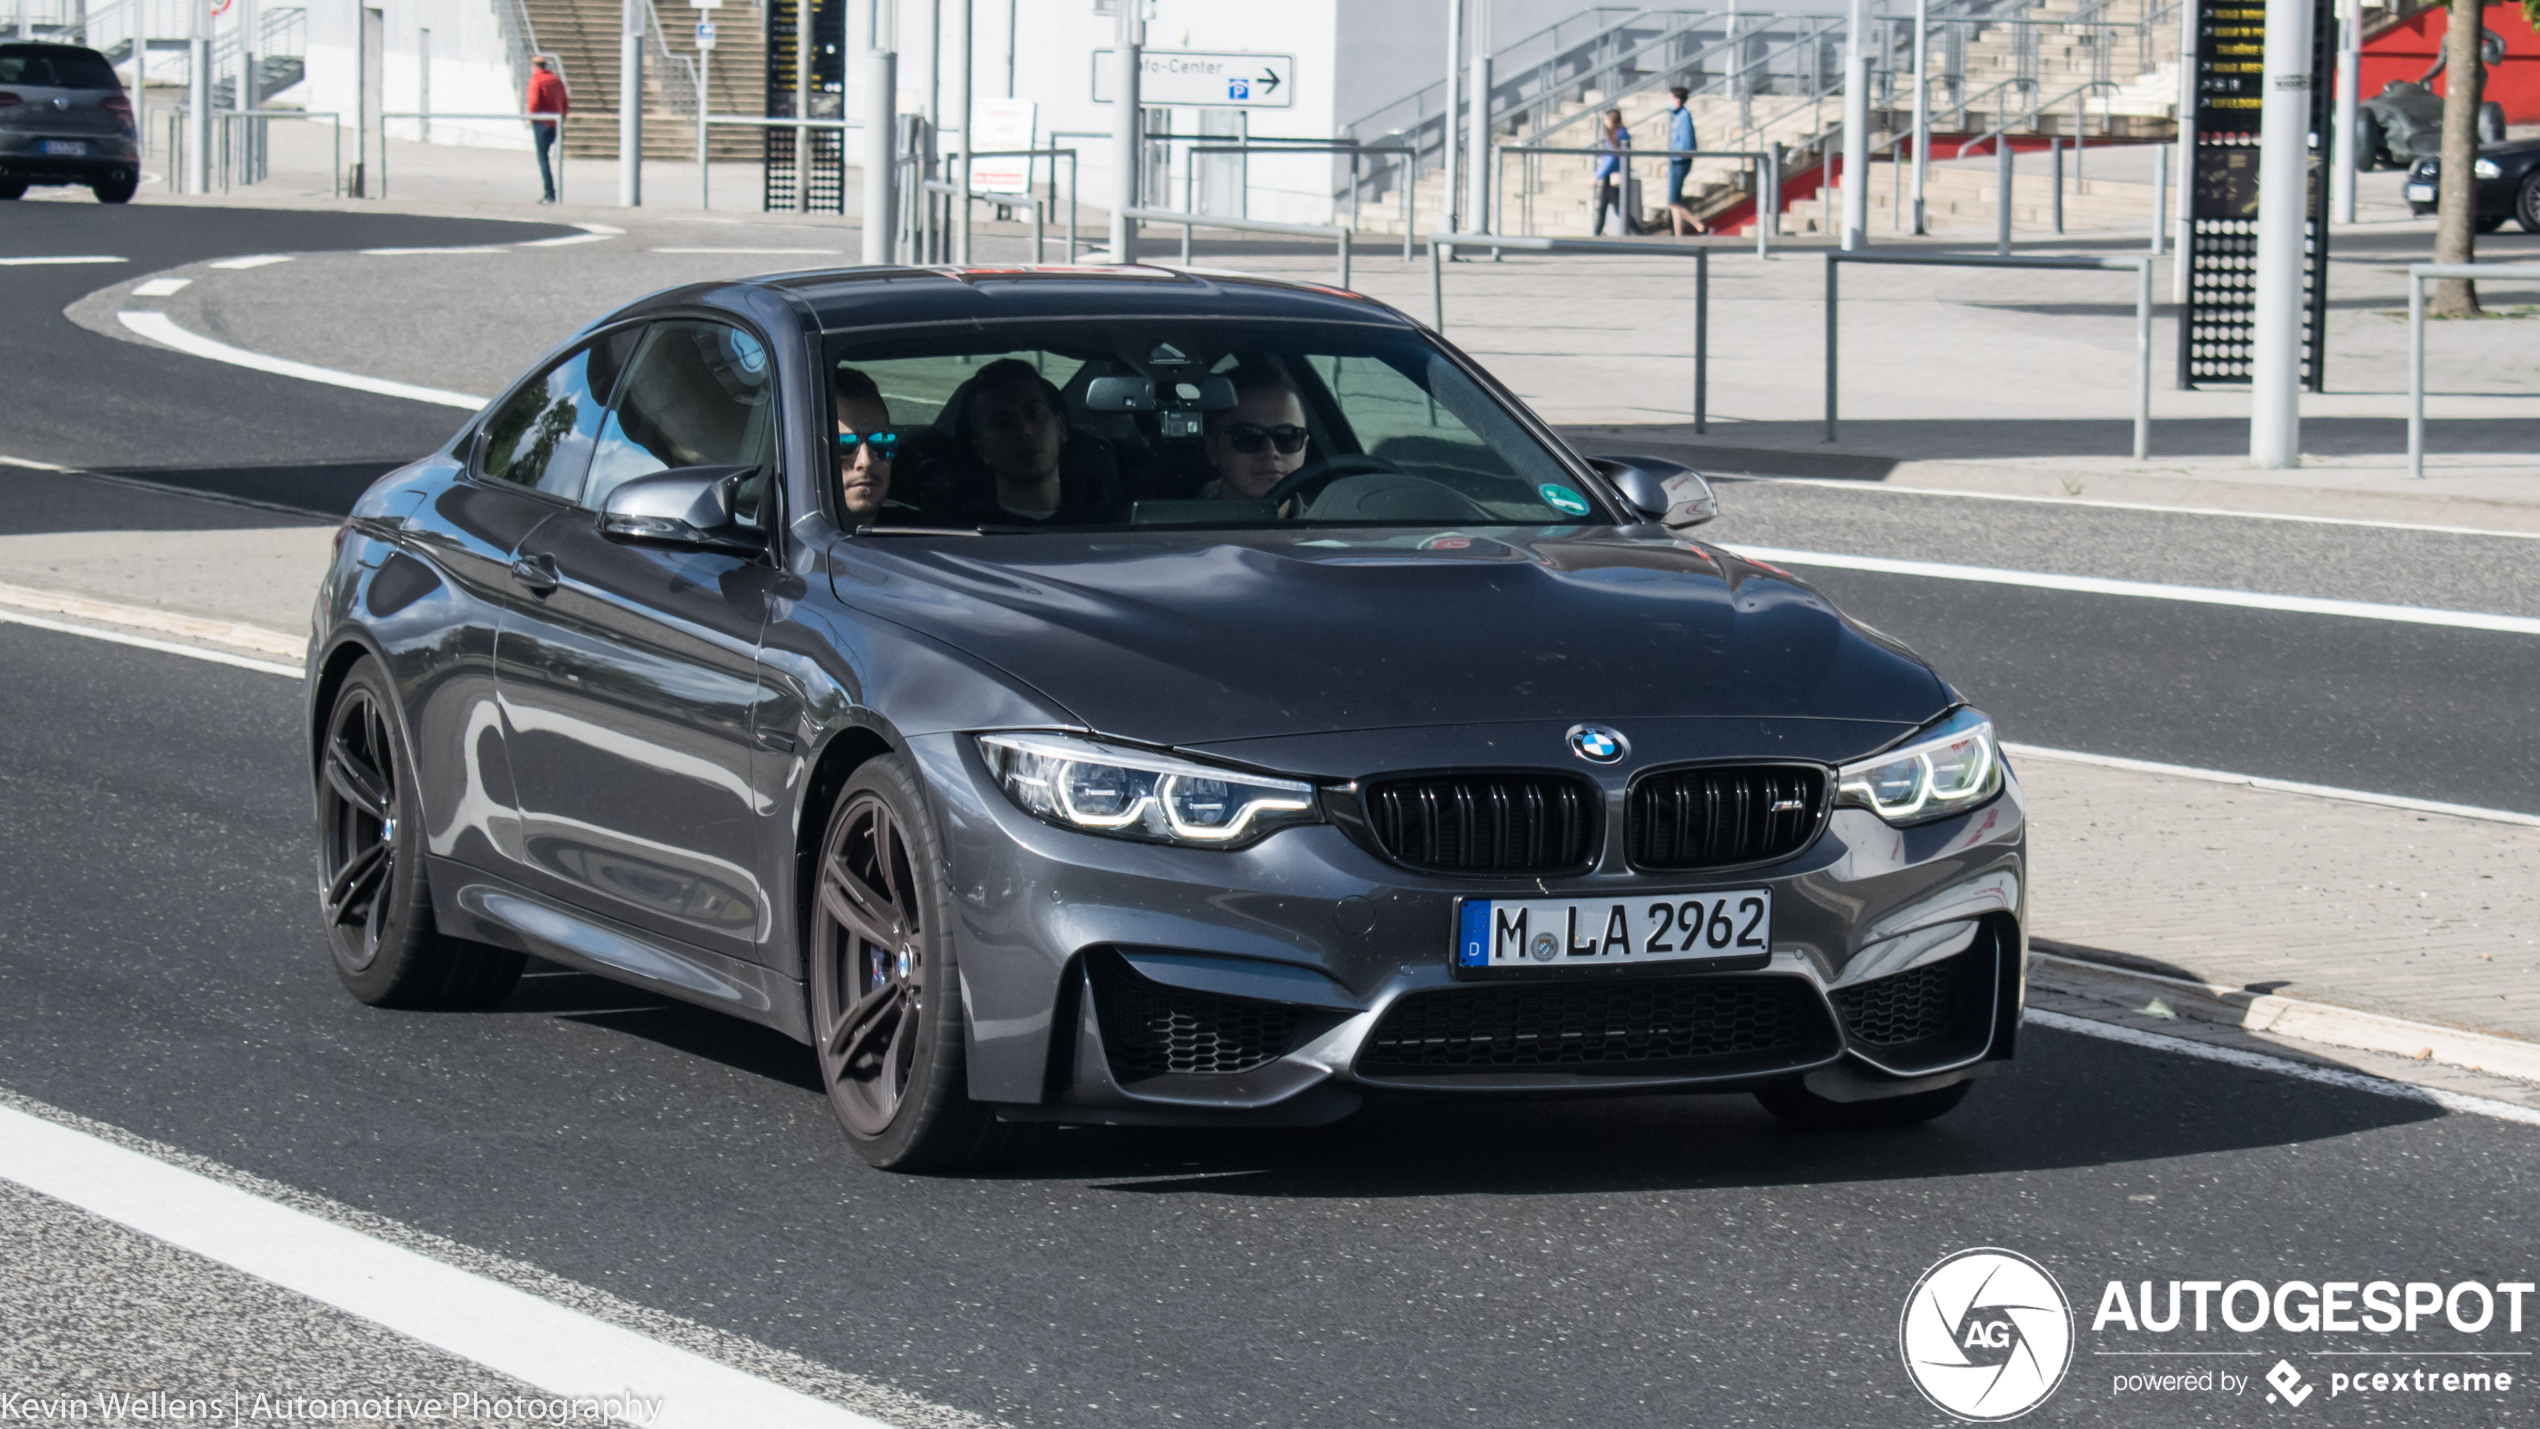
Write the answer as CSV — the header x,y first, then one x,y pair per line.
x,y
1947,769
2486,169
1131,794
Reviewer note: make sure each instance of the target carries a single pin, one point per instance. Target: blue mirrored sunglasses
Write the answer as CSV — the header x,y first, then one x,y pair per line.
x,y
886,445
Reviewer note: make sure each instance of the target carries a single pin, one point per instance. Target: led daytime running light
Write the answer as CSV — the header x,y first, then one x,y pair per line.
x,y
1045,775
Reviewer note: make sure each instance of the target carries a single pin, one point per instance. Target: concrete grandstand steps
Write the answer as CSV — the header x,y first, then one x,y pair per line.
x,y
583,36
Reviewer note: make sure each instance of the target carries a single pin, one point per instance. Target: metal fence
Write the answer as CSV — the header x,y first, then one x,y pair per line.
x,y
1443,244
1767,188
1191,221
2417,274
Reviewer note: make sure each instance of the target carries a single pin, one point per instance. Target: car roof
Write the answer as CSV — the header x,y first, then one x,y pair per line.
x,y
850,298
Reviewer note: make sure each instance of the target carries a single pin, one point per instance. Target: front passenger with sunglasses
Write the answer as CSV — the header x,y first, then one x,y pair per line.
x,y
1252,445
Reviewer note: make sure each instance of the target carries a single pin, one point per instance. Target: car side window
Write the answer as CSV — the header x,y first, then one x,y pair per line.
x,y
542,438
697,394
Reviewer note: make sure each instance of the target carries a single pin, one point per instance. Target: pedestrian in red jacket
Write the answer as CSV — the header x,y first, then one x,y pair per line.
x,y
546,96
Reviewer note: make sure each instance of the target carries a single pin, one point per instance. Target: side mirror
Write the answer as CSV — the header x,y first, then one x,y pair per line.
x,y
1669,493
698,507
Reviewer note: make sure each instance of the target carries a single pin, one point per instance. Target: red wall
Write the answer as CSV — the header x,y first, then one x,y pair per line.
x,y
2407,50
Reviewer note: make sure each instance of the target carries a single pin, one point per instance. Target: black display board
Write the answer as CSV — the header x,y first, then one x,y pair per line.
x,y
827,148
2221,253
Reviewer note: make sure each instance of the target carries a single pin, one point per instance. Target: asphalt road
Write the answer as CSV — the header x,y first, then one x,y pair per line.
x,y
1609,1263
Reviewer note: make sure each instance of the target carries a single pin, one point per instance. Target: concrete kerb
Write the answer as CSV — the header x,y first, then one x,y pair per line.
x,y
2052,966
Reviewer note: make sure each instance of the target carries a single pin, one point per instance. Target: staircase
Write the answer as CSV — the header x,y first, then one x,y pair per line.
x,y
582,37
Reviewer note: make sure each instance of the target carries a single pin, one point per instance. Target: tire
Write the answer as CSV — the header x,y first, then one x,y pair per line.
x,y
885,985
2372,149
1799,1106
372,886
12,188
115,190
2488,223
2527,204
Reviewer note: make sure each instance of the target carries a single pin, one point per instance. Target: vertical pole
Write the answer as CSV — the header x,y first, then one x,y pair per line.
x,y
1344,263
2284,126
2143,359
1831,265
2002,195
2055,158
1477,154
881,156
1701,340
1437,288
630,106
962,54
1410,210
1446,126
1856,131
2341,144
2081,133
198,102
705,181
1922,106
805,53
2186,146
2160,195
1125,148
1772,217
250,91
2416,374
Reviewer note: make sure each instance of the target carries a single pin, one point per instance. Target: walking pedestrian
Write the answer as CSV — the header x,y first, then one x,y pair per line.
x,y
1613,181
1680,138
546,96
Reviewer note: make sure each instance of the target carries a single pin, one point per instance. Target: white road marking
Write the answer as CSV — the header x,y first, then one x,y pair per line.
x,y
31,465
402,252
2279,786
508,1330
2326,1076
161,287
2147,590
166,622
1875,486
71,258
144,642
591,233
253,260
788,252
159,328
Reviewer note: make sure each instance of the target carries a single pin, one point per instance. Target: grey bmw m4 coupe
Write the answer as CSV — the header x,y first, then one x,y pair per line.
x,y
1140,697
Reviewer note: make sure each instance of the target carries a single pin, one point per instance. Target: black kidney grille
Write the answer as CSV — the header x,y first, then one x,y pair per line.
x,y
1485,823
1934,1000
1723,815
1618,1024
1149,1028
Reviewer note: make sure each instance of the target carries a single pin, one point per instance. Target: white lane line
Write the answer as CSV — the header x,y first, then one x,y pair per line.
x,y
144,642
508,1330
67,258
2325,1076
161,287
2148,590
403,252
2279,786
166,622
252,260
786,252
1881,486
159,328
591,233
32,465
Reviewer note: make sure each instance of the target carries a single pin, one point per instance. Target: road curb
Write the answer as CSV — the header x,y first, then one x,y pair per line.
x,y
2291,1017
217,632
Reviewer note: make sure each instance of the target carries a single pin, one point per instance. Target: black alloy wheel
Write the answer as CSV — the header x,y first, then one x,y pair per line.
x,y
372,889
1794,1103
2527,203
885,999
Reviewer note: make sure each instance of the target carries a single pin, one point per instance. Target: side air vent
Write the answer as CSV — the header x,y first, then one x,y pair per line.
x,y
1519,824
1149,1029
1719,816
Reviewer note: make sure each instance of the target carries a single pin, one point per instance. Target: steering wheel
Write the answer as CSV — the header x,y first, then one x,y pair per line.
x,y
1321,473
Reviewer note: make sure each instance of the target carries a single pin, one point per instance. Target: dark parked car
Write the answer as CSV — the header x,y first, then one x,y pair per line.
x,y
64,119
1325,729
2508,185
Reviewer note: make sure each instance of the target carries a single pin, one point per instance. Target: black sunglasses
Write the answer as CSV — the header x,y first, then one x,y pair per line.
x,y
1247,438
886,445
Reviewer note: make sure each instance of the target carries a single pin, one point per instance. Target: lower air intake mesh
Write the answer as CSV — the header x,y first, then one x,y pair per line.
x,y
1614,1025
1934,1000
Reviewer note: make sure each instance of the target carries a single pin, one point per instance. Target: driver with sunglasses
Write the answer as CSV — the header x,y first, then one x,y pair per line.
x,y
1254,444
866,445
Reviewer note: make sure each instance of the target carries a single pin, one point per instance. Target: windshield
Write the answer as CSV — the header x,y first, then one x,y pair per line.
x,y
1181,423
52,68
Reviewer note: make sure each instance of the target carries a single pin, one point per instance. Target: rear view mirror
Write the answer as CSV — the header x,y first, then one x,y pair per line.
x,y
1120,394
1669,493
698,507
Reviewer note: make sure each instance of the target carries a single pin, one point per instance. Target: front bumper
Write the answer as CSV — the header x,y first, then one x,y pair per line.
x,y
1108,981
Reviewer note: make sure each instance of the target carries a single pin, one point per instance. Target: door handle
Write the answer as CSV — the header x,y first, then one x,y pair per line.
x,y
536,574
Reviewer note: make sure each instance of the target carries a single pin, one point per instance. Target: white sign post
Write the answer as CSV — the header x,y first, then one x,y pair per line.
x,y
1202,79
1003,124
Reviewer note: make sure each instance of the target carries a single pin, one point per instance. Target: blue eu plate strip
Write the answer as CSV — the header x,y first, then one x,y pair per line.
x,y
1472,942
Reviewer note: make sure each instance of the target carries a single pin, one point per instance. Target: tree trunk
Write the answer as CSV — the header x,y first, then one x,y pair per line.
x,y
2456,210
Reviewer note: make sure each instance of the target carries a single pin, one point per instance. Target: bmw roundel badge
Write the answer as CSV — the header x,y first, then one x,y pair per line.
x,y
1597,744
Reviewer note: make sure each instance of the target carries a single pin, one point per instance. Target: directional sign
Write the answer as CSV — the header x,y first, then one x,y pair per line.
x,y
705,34
1201,79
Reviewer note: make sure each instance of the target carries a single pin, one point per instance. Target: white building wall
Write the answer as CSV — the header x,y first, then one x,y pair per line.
x,y
470,68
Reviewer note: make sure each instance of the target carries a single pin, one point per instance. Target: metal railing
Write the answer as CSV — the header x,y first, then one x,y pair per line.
x,y
2141,266
2417,274
801,128
1190,176
1442,244
1191,221
429,115
229,146
1767,191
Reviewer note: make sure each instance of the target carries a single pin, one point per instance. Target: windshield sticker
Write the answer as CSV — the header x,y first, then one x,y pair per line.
x,y
1562,499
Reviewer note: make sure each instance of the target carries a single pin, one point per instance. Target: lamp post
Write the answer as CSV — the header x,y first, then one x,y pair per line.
x,y
630,104
1922,105
1447,136
881,155
1856,131
198,101
2350,73
2284,133
1124,132
961,143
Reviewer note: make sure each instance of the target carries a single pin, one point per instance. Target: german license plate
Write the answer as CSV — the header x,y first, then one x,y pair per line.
x,y
66,148
1578,932
2420,193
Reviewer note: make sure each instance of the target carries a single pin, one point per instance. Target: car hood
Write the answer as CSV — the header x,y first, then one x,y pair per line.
x,y
1179,638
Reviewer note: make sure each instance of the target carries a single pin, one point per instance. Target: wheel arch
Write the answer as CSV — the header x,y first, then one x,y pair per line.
x,y
850,748
347,651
